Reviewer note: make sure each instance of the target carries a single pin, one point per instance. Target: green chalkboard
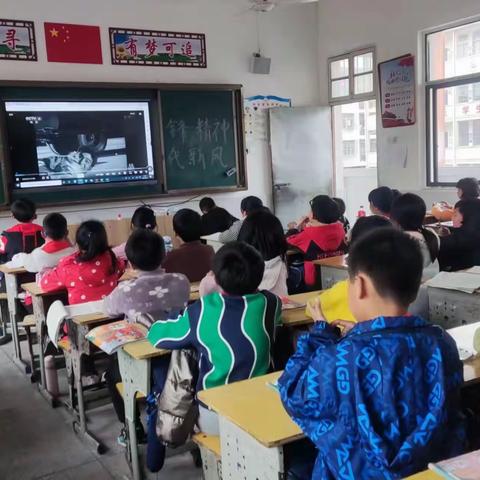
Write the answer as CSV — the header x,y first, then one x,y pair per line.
x,y
200,139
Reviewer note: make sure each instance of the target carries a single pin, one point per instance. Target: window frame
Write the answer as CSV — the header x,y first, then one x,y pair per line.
x,y
352,97
431,89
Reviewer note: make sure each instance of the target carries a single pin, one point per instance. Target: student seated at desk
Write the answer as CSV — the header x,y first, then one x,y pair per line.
x,y
334,300
214,219
318,235
57,245
144,219
343,208
461,249
89,274
247,206
263,231
408,212
381,200
382,399
153,292
193,259
232,332
25,236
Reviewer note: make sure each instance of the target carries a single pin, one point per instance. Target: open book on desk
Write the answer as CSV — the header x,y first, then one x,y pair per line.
x,y
112,336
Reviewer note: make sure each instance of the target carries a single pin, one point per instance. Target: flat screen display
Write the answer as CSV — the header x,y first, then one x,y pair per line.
x,y
63,144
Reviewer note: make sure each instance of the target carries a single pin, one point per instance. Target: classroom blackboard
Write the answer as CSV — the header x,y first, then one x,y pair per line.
x,y
199,139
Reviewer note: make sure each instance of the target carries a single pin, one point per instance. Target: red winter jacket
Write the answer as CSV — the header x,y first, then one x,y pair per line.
x,y
84,281
318,242
23,237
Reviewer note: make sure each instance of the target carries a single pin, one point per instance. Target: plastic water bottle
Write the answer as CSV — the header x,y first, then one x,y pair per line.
x,y
168,243
361,212
51,376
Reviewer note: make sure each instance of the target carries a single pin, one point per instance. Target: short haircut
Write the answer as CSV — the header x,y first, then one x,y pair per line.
x,y
23,210
145,250
365,225
263,231
144,217
392,260
341,205
469,187
187,225
250,204
325,209
409,210
55,226
238,268
382,198
206,204
470,210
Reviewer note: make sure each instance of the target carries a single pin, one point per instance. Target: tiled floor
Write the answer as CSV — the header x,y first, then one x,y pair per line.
x,y
38,443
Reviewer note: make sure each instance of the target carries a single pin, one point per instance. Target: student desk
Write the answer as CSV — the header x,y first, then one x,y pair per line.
x,y
296,317
134,360
12,280
332,270
426,475
254,427
452,308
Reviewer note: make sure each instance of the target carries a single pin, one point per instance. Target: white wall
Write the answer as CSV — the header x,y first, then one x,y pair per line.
x,y
289,37
393,26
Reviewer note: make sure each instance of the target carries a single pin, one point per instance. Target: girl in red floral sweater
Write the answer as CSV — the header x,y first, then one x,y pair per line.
x,y
89,274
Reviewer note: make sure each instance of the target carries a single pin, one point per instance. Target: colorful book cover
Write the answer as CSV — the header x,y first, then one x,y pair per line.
x,y
112,336
464,467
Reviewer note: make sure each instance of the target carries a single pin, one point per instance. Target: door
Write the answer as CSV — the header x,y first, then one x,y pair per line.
x,y
301,149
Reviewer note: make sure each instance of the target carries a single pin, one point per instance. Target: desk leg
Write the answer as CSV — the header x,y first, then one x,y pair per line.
x,y
80,426
135,378
243,456
12,292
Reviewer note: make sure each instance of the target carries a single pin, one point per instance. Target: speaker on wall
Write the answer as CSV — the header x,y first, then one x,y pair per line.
x,y
260,65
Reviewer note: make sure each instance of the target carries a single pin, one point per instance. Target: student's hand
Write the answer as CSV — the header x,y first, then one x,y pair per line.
x,y
345,325
316,311
292,225
303,222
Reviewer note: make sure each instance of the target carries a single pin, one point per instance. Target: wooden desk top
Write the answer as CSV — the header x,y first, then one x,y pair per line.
x,y
334,262
91,318
13,271
143,349
35,290
256,408
297,316
471,371
426,475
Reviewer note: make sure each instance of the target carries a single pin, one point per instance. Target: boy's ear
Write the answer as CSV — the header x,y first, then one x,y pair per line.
x,y
362,285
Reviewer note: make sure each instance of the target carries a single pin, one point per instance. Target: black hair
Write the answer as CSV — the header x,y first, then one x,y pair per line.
x,y
145,250
392,260
469,187
55,226
341,205
409,211
23,210
238,268
92,241
187,225
382,198
263,231
325,209
470,210
365,225
250,204
206,204
144,217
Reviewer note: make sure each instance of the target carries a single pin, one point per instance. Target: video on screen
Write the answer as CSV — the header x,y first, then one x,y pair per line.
x,y
79,143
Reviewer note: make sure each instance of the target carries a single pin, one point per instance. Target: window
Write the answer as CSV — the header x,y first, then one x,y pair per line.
x,y
363,156
452,84
352,76
348,120
349,148
373,145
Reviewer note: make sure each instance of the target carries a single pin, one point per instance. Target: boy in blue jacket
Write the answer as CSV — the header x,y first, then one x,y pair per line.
x,y
382,399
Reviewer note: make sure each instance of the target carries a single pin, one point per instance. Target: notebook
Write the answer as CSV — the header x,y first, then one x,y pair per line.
x,y
461,281
465,467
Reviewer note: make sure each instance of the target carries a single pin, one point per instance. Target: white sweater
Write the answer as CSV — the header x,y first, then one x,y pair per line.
x,y
39,259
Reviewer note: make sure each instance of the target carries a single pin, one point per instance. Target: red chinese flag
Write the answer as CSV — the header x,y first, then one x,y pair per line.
x,y
69,43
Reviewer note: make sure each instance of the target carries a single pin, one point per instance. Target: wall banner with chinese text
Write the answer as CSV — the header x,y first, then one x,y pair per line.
x,y
158,49
397,91
17,40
